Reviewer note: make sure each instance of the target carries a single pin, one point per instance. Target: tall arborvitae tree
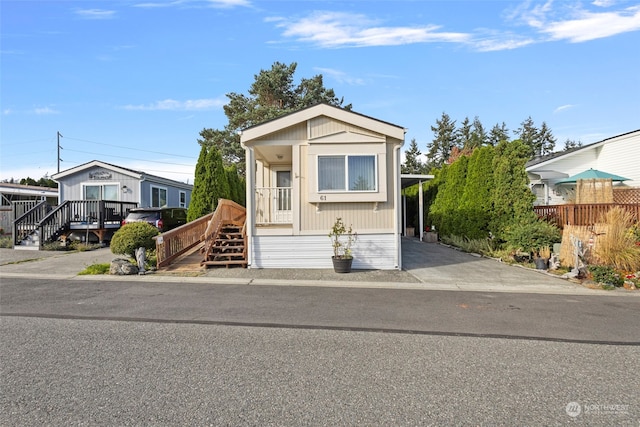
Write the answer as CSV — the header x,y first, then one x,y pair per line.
x,y
210,184
445,209
498,133
237,186
272,94
512,199
445,138
412,163
475,204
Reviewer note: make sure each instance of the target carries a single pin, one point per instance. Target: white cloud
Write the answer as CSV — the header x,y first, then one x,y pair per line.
x,y
174,105
604,3
341,76
221,4
95,13
590,26
336,29
563,107
45,111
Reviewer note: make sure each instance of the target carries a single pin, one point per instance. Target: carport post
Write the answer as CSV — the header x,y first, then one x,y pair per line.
x,y
420,210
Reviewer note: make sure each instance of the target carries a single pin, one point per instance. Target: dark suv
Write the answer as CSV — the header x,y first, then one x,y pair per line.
x,y
164,219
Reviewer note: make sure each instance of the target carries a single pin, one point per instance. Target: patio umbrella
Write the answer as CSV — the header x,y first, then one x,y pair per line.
x,y
592,174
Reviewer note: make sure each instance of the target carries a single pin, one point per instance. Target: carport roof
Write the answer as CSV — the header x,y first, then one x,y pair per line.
x,y
407,180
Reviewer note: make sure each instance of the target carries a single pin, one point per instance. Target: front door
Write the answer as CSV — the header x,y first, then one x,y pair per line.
x,y
282,203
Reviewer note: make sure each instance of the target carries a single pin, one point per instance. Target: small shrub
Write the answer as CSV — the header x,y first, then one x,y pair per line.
x,y
606,275
531,236
133,236
6,242
95,269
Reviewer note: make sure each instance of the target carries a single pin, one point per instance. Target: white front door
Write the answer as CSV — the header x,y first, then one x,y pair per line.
x,y
282,197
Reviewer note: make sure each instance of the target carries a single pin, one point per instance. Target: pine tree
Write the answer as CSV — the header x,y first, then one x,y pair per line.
x,y
445,138
412,163
498,133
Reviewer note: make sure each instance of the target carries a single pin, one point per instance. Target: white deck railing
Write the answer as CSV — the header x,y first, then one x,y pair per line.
x,y
273,205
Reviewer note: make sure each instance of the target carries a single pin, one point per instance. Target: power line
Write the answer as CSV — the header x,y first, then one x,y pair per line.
x,y
128,148
129,158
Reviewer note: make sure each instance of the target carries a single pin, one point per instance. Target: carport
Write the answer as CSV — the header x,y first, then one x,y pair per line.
x,y
408,180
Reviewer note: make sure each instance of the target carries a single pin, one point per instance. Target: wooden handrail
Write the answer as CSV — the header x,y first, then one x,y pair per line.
x,y
226,211
176,242
582,214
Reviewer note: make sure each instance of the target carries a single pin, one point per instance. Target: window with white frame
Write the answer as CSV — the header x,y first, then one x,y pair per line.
x,y
101,192
183,199
347,173
158,197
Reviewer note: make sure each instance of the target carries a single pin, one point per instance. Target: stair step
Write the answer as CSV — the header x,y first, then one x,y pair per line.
x,y
225,263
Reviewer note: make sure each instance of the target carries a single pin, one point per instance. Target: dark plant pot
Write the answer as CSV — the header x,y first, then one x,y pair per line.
x,y
342,265
541,263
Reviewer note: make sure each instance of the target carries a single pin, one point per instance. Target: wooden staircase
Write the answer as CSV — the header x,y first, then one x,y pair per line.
x,y
229,247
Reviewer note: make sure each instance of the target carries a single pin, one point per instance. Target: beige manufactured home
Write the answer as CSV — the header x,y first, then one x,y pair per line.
x,y
306,169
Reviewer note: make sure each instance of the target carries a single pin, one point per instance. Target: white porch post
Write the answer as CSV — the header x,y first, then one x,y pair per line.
x,y
404,211
420,210
250,202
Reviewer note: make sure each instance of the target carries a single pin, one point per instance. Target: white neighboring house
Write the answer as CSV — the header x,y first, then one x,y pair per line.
x,y
618,155
309,167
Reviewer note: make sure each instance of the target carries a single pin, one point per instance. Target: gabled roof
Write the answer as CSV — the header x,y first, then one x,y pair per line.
x,y
317,110
125,171
551,158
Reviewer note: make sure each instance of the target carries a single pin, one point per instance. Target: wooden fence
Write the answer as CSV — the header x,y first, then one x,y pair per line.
x,y
583,214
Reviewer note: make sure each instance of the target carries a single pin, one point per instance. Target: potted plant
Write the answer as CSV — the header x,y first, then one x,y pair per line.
x,y
342,238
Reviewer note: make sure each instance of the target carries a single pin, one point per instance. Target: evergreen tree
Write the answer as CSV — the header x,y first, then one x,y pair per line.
x,y
475,204
539,141
445,209
272,94
445,138
465,136
412,163
570,144
498,133
210,184
512,200
479,136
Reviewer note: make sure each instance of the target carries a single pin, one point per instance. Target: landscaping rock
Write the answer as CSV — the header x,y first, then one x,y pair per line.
x,y
122,267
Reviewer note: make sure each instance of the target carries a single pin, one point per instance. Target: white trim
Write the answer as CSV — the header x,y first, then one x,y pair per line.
x,y
180,203
101,184
166,196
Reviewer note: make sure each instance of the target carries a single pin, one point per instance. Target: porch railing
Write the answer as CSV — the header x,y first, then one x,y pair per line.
x,y
273,205
583,214
173,243
27,216
176,242
51,222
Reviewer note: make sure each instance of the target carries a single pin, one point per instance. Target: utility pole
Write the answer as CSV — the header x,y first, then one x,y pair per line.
x,y
59,159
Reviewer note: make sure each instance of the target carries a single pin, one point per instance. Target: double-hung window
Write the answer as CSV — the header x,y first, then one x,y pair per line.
x,y
347,173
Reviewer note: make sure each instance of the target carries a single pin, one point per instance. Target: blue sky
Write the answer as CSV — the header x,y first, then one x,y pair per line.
x,y
134,82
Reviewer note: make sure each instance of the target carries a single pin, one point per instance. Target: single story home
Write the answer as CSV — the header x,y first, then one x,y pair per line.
x,y
308,168
618,157
98,180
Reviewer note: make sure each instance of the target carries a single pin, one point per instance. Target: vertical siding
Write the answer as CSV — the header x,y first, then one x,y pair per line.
x,y
370,252
72,185
322,126
293,133
320,217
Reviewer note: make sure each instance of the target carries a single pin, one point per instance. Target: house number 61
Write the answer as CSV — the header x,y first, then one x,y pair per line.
x,y
323,197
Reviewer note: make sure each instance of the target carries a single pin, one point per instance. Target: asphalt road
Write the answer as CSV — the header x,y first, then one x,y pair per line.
x,y
88,372
78,352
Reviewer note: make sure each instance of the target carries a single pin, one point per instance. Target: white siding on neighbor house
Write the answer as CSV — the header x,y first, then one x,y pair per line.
x,y
621,157
371,251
